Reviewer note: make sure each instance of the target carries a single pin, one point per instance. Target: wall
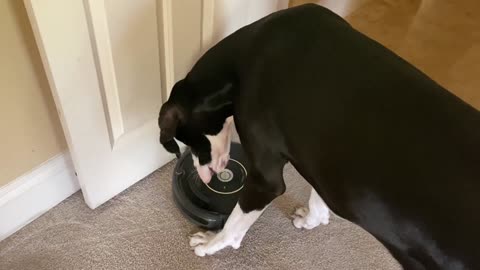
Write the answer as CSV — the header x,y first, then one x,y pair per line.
x,y
187,23
30,129
341,7
230,15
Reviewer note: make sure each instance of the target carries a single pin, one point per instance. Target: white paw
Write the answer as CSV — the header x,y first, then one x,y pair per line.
x,y
207,243
303,219
201,238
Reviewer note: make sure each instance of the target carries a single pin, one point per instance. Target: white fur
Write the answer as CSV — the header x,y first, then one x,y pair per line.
x,y
317,213
237,225
203,171
220,152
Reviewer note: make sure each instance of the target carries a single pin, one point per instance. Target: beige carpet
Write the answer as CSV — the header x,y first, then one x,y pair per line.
x,y
142,229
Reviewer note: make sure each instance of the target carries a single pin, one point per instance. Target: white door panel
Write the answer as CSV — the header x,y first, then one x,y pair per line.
x,y
134,38
103,60
112,63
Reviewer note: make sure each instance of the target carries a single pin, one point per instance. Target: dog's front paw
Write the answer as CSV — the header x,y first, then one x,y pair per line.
x,y
200,242
207,243
201,238
304,219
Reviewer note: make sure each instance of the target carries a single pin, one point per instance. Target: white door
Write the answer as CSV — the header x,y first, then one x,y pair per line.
x,y
112,63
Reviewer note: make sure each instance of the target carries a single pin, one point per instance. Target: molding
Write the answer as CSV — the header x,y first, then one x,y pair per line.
x,y
100,37
165,42
208,18
34,193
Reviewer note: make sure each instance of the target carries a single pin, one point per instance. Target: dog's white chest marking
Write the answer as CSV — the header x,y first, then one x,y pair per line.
x,y
220,145
220,152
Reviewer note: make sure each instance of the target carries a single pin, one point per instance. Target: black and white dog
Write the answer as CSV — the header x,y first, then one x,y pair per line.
x,y
381,144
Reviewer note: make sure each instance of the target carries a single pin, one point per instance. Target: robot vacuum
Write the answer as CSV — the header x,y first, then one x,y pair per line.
x,y
209,205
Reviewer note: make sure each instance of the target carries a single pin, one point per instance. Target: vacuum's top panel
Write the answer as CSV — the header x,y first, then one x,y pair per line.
x,y
221,194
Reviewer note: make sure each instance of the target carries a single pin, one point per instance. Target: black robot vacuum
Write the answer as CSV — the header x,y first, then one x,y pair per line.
x,y
209,205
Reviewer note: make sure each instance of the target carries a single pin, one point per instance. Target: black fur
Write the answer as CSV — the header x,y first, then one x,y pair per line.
x,y
192,112
385,146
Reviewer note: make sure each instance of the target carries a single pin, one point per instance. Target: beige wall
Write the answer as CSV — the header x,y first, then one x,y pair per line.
x,y
30,129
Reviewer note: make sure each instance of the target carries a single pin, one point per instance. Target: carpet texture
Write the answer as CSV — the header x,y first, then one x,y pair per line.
x,y
142,229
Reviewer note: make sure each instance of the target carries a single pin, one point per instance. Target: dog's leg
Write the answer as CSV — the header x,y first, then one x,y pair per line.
x,y
260,189
237,225
317,213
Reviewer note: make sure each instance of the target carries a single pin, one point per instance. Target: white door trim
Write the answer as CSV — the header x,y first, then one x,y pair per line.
x,y
167,66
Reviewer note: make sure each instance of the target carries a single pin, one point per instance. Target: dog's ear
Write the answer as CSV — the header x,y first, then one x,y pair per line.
x,y
171,116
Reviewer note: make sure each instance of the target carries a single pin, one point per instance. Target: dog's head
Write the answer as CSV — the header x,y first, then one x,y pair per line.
x,y
201,121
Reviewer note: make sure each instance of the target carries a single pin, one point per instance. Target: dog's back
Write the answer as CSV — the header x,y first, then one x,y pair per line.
x,y
384,145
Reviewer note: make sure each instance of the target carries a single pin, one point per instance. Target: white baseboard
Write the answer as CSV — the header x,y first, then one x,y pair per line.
x,y
31,195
